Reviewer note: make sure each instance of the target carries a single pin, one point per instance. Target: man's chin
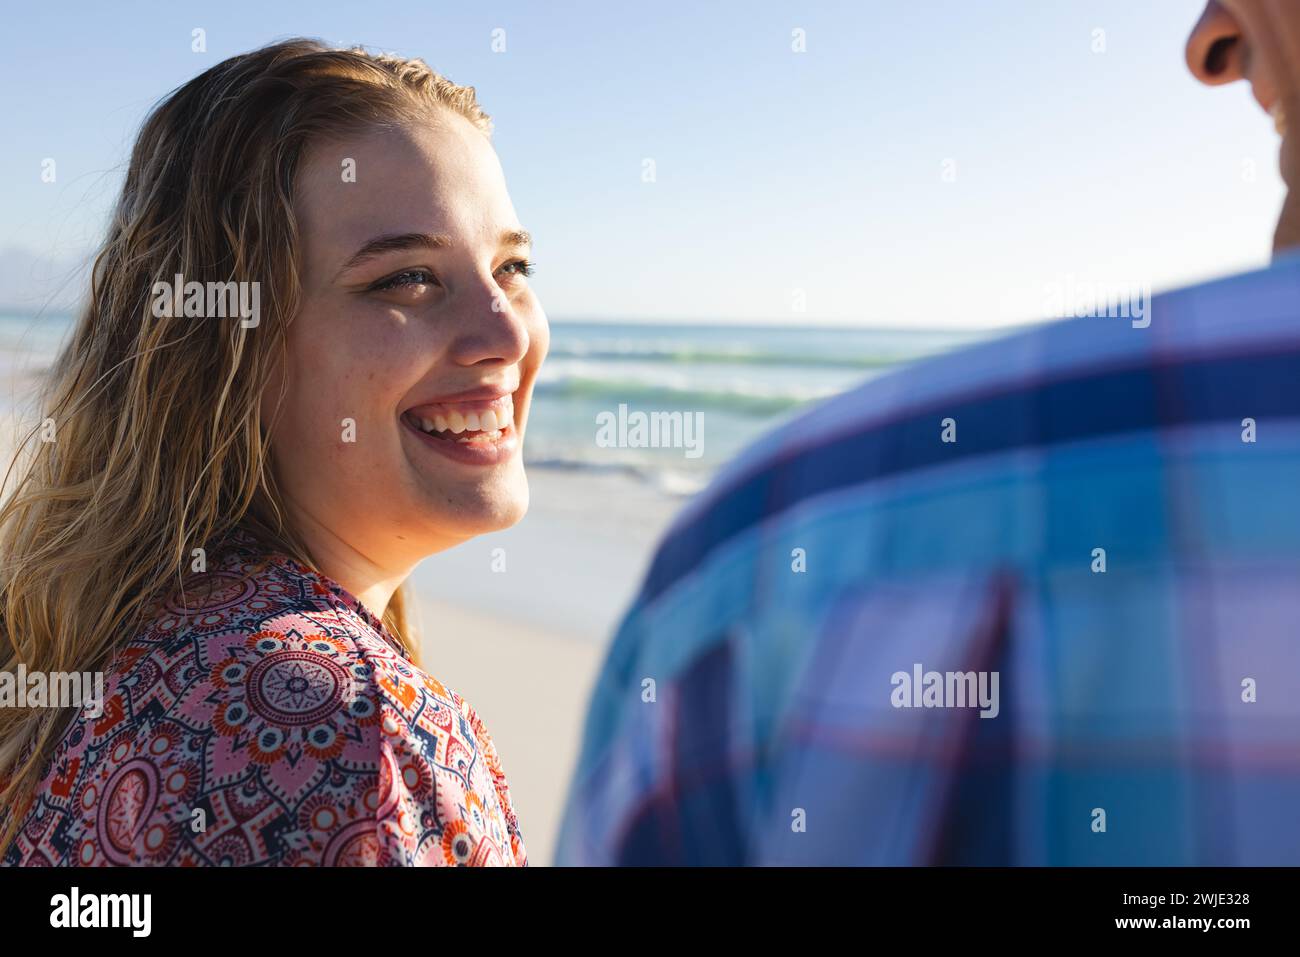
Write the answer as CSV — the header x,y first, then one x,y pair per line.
x,y
1286,238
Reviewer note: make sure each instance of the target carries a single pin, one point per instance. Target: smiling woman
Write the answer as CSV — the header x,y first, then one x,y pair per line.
x,y
225,519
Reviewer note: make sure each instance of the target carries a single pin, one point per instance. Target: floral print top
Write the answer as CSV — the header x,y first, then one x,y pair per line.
x,y
274,722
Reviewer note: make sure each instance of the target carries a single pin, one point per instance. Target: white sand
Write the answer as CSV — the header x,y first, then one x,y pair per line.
x,y
531,689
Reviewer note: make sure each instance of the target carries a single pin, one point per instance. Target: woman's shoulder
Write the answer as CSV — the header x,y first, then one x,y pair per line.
x,y
247,587
268,717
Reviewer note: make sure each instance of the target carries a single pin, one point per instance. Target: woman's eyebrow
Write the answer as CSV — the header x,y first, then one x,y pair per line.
x,y
516,237
371,248
387,244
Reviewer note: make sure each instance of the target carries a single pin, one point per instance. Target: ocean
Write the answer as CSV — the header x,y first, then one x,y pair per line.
x,y
734,381
741,380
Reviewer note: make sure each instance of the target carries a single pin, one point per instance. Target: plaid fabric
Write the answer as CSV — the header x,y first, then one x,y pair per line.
x,y
1147,714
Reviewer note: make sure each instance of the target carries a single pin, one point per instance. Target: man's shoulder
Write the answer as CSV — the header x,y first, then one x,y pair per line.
x,y
1210,353
1250,313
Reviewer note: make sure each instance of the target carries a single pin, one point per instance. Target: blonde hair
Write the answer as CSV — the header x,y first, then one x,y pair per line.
x,y
160,443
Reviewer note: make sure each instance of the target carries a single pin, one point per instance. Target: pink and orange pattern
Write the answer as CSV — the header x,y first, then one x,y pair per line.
x,y
274,722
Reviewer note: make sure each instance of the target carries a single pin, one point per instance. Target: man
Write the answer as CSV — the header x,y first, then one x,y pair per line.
x,y
1033,602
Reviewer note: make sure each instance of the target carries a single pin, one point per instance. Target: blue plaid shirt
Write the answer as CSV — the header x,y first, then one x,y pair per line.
x,y
1104,517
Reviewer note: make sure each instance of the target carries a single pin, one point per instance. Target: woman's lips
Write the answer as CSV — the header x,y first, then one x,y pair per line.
x,y
477,432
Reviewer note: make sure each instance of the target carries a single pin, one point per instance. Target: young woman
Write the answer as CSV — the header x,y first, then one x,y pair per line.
x,y
231,482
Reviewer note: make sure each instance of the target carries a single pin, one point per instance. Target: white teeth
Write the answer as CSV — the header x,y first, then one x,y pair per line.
x,y
490,436
490,423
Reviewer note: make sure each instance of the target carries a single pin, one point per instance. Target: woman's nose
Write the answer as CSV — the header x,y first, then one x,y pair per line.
x,y
1214,49
492,329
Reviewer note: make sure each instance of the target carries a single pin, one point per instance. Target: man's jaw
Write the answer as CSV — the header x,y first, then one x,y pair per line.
x,y
1283,109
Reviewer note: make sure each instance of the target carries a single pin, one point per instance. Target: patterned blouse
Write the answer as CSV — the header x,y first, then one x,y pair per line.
x,y
276,722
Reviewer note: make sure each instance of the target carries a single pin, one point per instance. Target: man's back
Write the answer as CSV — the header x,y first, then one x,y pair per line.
x,y
1028,603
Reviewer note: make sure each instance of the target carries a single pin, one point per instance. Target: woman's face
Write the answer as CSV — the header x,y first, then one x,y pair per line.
x,y
1258,41
416,312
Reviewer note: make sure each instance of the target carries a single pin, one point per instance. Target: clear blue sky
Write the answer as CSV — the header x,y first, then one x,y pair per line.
x,y
776,171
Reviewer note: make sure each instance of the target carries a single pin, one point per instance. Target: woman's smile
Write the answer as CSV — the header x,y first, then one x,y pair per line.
x,y
479,431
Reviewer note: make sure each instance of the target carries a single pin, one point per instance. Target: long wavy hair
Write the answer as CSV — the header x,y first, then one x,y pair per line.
x,y
158,442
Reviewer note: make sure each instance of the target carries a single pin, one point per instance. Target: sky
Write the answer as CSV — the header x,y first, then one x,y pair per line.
x,y
937,163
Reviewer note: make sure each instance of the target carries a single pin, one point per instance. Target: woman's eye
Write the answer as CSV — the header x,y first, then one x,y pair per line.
x,y
411,277
520,267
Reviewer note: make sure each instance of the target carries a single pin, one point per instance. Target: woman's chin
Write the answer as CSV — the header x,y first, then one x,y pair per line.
x,y
492,507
